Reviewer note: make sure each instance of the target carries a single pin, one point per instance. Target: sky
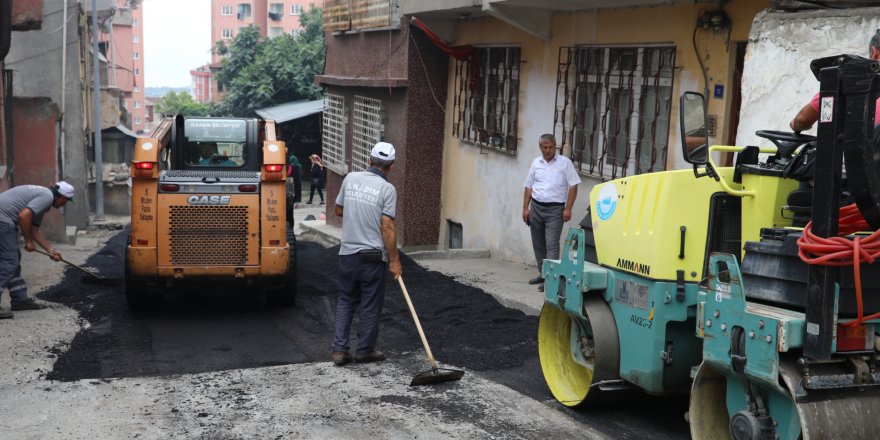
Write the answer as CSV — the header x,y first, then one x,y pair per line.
x,y
177,39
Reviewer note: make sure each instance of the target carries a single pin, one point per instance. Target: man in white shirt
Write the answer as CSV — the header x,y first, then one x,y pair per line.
x,y
550,189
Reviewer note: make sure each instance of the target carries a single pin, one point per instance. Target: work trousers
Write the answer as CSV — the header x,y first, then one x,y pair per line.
x,y
10,264
360,284
545,223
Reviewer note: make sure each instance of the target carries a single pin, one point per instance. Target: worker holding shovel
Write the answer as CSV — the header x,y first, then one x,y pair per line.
x,y
23,208
367,251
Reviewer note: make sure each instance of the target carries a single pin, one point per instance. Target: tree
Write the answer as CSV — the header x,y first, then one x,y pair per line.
x,y
261,72
180,103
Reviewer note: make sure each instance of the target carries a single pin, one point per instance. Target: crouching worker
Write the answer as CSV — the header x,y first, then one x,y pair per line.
x,y
23,208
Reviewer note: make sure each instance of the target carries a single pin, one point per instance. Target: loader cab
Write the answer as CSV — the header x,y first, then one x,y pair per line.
x,y
210,144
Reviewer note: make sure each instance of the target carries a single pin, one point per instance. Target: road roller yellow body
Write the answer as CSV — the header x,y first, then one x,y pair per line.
x,y
721,282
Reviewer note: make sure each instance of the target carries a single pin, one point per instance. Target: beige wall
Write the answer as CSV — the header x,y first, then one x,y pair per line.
x,y
483,190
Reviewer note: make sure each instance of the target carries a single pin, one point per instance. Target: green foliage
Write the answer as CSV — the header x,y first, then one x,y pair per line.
x,y
180,103
261,72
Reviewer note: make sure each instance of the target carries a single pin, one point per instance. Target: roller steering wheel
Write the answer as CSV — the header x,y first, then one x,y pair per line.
x,y
786,142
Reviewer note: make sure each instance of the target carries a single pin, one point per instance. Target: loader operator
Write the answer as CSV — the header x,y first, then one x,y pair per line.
x,y
368,249
550,189
23,207
809,114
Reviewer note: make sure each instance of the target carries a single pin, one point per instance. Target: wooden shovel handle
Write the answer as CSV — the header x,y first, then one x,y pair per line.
x,y
418,324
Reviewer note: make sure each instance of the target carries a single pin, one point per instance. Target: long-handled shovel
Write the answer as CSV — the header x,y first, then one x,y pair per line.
x,y
93,277
434,375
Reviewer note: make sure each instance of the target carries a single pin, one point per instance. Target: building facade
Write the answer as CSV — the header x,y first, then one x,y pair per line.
x,y
604,78
124,50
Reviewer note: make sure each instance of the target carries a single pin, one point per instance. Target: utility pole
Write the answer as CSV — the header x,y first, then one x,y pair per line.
x,y
99,158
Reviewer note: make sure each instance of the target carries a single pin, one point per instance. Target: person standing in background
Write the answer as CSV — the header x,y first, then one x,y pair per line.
x,y
550,190
317,178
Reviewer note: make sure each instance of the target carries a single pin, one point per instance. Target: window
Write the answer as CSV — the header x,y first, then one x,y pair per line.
x,y
137,104
275,31
612,108
134,22
296,9
136,55
296,32
367,129
215,143
137,71
226,33
226,10
276,11
135,39
244,10
137,119
487,98
137,89
333,137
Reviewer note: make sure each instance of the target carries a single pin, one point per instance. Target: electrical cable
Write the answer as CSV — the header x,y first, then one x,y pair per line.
x,y
700,61
843,251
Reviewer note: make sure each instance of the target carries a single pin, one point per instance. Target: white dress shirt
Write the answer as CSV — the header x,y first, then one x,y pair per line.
x,y
550,181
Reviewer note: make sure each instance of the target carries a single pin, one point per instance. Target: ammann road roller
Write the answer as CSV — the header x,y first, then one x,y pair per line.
x,y
751,287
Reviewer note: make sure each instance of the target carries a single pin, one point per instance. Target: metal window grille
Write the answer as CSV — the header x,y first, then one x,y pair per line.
x,y
486,99
613,106
333,136
367,129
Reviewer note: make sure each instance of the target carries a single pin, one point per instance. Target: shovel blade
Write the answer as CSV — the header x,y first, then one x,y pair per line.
x,y
435,376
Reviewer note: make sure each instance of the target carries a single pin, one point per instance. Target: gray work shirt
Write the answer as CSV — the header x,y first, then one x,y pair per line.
x,y
365,198
38,198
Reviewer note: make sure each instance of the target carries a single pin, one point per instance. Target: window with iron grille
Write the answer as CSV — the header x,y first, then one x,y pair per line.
x,y
367,129
613,107
333,136
486,98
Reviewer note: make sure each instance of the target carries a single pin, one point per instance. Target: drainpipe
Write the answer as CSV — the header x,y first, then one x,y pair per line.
x,y
63,83
99,158
5,42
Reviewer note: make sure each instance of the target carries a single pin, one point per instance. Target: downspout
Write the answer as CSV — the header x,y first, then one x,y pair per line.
x,y
5,43
63,94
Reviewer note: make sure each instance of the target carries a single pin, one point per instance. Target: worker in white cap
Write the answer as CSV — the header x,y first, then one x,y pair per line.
x,y
367,251
23,208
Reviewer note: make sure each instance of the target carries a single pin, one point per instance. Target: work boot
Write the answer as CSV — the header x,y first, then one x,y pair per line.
x,y
341,358
29,304
373,356
541,288
5,315
536,280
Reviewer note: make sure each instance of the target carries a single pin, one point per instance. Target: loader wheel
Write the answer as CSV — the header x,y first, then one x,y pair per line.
x,y
285,295
136,295
577,354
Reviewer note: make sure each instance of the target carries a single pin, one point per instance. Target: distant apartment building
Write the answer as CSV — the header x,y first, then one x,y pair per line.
x,y
124,49
274,18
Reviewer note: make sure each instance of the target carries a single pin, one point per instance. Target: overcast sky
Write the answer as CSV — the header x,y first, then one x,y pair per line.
x,y
177,39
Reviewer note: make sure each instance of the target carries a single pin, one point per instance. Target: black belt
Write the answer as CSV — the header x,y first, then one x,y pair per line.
x,y
548,203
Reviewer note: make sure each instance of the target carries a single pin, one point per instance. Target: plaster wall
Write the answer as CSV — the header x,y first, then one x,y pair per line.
x,y
483,189
35,58
777,80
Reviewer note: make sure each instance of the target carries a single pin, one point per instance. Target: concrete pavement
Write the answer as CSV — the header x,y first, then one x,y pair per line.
x,y
506,281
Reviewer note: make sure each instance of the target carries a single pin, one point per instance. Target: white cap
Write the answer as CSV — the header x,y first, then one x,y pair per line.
x,y
65,189
383,151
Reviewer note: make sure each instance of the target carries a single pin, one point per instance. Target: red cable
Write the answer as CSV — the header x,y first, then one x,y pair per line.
x,y
841,251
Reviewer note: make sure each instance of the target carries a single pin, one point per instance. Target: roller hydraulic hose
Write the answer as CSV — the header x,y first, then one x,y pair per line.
x,y
843,251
